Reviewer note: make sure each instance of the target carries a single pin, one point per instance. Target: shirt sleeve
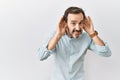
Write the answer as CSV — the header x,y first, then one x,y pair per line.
x,y
100,50
43,53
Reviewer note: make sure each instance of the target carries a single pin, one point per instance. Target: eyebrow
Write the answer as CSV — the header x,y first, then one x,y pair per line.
x,y
75,21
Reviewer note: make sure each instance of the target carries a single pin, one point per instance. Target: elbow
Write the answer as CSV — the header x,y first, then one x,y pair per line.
x,y
41,59
44,56
106,54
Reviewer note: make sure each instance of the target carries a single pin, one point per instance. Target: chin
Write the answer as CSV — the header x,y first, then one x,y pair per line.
x,y
76,36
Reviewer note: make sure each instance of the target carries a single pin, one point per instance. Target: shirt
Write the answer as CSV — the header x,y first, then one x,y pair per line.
x,y
69,55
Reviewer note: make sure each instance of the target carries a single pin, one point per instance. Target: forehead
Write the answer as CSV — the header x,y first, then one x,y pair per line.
x,y
75,17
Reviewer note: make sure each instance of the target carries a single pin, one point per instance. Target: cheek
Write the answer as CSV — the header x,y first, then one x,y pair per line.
x,y
70,29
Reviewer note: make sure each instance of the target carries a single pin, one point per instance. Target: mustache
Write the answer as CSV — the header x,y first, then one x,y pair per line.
x,y
74,30
77,30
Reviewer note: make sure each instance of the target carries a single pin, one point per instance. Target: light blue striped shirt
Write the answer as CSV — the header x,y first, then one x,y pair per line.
x,y
69,56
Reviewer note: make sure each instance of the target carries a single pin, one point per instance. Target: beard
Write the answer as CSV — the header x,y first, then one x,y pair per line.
x,y
74,30
74,33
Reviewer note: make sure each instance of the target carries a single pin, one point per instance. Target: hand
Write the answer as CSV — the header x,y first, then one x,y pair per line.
x,y
88,25
61,27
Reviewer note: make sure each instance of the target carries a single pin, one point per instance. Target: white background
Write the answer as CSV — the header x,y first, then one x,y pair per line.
x,y
25,24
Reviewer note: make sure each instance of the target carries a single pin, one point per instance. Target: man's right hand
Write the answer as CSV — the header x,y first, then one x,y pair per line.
x,y
61,27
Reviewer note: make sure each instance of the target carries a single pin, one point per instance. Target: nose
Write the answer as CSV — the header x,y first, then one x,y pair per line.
x,y
78,27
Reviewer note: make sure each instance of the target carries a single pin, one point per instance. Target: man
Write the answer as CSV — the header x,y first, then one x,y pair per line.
x,y
69,44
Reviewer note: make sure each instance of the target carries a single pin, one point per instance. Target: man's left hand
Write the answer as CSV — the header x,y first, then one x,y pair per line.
x,y
88,25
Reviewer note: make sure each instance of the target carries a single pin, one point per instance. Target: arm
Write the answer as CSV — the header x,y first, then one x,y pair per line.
x,y
100,50
89,28
43,52
97,44
60,31
49,46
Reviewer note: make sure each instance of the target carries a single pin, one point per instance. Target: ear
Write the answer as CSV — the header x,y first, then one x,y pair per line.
x,y
67,29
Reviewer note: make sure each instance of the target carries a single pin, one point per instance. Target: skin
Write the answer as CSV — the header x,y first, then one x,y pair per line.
x,y
73,27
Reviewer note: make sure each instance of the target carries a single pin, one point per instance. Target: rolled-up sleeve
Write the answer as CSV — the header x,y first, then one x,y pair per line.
x,y
100,50
43,53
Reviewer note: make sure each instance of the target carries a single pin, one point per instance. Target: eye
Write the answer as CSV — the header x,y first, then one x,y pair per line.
x,y
73,23
81,23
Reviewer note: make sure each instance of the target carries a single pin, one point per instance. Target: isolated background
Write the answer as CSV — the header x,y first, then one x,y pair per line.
x,y
25,24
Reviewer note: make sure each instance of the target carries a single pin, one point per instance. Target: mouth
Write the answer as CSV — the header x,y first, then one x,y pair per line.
x,y
76,33
77,30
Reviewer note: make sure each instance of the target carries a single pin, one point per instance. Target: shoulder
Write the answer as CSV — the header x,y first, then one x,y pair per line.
x,y
85,36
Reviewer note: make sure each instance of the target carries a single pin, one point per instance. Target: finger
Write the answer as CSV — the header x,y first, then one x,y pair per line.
x,y
61,20
89,19
86,24
86,21
61,23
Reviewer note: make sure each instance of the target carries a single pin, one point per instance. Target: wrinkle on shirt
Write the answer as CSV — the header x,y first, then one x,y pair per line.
x,y
69,56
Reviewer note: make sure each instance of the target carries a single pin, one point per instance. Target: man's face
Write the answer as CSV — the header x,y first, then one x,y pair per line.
x,y
75,24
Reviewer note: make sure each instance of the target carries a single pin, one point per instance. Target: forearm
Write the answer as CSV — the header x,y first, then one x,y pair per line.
x,y
99,47
53,41
98,41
